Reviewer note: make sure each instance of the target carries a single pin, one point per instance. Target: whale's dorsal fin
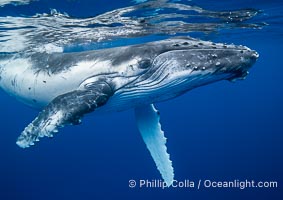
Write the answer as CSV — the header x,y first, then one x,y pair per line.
x,y
65,109
147,118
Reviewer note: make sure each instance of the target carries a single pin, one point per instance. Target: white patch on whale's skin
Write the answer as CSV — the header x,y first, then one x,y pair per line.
x,y
37,89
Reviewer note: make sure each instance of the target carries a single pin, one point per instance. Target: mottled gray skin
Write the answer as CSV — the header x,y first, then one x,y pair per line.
x,y
118,78
58,62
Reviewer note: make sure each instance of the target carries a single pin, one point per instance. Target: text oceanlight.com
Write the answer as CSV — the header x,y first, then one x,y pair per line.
x,y
203,184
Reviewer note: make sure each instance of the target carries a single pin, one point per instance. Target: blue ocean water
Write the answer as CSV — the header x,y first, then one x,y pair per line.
x,y
220,132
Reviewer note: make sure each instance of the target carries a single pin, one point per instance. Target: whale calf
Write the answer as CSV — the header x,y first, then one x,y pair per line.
x,y
66,86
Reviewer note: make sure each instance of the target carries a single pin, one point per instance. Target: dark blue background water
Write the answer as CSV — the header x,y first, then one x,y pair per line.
x,y
223,131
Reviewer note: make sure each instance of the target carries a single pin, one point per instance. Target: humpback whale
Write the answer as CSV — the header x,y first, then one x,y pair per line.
x,y
66,86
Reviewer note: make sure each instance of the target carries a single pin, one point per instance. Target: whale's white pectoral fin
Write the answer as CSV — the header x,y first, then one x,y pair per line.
x,y
65,109
147,118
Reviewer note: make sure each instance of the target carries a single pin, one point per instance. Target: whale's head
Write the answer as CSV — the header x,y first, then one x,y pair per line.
x,y
181,64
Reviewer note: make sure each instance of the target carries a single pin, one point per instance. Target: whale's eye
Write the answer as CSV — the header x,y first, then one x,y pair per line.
x,y
143,64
